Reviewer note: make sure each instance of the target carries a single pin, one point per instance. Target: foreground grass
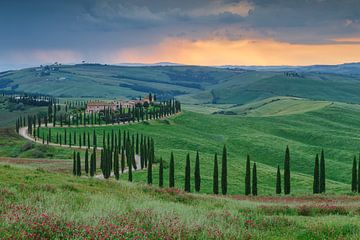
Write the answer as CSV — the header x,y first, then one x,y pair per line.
x,y
37,204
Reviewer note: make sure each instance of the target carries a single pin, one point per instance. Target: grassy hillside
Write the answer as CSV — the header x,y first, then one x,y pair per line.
x,y
191,84
334,127
36,204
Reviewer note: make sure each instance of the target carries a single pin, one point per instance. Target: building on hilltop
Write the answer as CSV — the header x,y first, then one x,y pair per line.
x,y
95,107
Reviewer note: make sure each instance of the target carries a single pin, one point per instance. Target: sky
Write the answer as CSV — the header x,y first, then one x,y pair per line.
x,y
196,32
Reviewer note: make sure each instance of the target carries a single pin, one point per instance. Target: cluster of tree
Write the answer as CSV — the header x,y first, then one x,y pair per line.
x,y
118,154
32,100
107,116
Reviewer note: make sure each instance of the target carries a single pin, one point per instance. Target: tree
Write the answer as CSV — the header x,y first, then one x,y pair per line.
x,y
254,181
161,173
92,165
278,181
78,165
116,164
247,176
287,172
187,174
322,172
354,179
86,161
316,183
224,172
216,176
122,159
171,171
149,168
197,173
74,164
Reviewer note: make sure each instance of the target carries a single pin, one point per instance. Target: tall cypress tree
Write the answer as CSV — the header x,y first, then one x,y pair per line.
x,y
161,173
358,176
149,168
171,171
354,179
116,164
74,164
216,176
278,181
92,168
197,173
254,181
86,161
248,176
78,165
316,183
187,174
224,172
322,172
287,185
122,159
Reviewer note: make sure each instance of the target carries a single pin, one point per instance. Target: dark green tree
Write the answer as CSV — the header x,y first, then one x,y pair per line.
x,y
287,184
116,164
316,183
254,181
122,163
197,173
86,161
248,176
161,173
224,171
149,167
278,181
354,179
322,172
187,174
74,164
171,171
216,176
78,165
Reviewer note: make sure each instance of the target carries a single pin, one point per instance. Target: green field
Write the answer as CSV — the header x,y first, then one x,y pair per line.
x,y
37,204
329,126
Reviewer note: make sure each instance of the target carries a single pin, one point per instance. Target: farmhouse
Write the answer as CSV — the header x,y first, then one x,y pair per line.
x,y
94,107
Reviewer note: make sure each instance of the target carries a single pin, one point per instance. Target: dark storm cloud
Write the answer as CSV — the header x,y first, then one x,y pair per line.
x,y
89,27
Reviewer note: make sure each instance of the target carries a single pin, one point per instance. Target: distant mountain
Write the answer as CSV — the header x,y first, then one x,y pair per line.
x,y
149,64
346,69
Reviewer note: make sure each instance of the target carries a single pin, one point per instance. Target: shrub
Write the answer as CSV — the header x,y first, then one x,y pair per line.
x,y
26,146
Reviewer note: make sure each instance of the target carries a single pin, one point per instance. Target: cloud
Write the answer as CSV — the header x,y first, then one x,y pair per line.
x,y
241,8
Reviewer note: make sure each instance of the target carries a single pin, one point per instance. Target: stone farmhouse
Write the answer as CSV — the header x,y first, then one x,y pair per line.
x,y
95,107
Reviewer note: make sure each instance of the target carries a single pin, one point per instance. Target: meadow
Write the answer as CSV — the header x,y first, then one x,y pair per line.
x,y
330,126
37,204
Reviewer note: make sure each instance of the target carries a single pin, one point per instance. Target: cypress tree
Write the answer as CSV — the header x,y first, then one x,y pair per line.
x,y
149,169
224,172
287,185
187,174
216,176
354,178
278,181
78,165
316,183
197,173
86,161
358,175
122,160
116,164
161,173
171,171
74,164
322,172
254,181
130,172
247,176
92,169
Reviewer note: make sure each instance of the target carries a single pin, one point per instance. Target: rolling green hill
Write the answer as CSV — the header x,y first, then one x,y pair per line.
x,y
191,84
271,127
